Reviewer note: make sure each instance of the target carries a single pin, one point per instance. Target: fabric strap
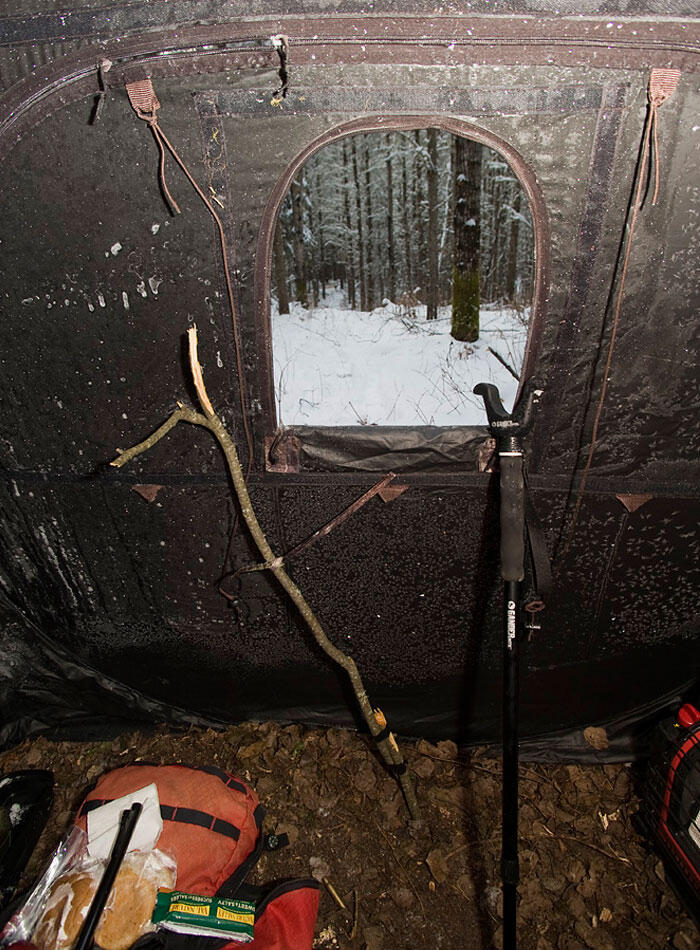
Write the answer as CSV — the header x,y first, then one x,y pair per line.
x,y
185,816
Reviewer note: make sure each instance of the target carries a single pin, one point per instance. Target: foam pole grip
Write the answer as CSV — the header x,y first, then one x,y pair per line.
x,y
512,489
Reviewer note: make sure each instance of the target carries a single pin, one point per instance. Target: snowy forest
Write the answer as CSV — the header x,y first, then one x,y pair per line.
x,y
386,237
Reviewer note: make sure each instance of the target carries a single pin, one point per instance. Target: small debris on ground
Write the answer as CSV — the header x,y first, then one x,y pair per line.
x,y
589,879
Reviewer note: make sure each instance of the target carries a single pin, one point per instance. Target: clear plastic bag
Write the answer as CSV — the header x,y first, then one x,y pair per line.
x,y
56,908
66,856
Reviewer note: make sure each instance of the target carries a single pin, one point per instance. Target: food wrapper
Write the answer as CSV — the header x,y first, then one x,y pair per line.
x,y
194,914
55,910
68,854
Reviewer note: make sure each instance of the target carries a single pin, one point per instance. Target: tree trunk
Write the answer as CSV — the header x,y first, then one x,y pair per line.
x,y
432,282
419,222
312,231
406,226
321,237
300,286
360,231
465,270
446,249
280,270
349,242
369,237
390,253
512,275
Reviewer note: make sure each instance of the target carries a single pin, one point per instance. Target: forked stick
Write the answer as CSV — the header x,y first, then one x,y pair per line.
x,y
376,723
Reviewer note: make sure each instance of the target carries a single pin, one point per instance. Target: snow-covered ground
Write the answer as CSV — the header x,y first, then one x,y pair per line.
x,y
335,366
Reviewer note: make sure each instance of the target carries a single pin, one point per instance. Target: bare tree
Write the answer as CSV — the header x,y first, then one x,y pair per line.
x,y
466,262
390,253
432,275
300,283
361,247
384,213
349,231
280,270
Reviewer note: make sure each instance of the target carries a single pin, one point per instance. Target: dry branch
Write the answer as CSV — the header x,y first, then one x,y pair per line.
x,y
376,723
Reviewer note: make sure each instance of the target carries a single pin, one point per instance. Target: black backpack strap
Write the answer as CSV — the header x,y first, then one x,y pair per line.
x,y
234,885
188,816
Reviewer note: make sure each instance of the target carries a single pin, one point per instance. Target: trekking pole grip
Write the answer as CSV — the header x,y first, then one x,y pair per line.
x,y
508,425
507,429
512,491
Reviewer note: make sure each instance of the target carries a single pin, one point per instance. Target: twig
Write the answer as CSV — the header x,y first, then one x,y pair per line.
x,y
355,913
334,894
376,489
525,774
401,867
457,850
586,844
197,372
363,422
181,414
474,841
375,721
503,362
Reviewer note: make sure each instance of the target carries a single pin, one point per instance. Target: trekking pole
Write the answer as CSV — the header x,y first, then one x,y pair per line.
x,y
127,824
508,429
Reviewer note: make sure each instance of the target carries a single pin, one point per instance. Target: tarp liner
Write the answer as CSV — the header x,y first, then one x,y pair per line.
x,y
118,575
379,449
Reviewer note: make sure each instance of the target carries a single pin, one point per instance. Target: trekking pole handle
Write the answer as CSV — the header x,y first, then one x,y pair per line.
x,y
509,426
508,429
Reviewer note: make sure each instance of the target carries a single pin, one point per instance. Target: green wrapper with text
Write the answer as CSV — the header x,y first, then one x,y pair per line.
x,y
204,916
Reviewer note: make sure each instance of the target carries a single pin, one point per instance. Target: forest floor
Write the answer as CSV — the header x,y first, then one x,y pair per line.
x,y
589,879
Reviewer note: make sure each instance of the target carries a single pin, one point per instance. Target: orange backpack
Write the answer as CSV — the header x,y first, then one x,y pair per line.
x,y
212,821
212,826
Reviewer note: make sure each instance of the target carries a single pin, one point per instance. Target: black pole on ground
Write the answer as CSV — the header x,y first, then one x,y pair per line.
x,y
127,824
508,430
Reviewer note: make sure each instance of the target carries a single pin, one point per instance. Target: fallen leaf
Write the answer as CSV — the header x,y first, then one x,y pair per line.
x,y
373,938
596,737
423,747
575,872
423,767
251,751
319,868
437,863
364,778
402,897
447,749
682,941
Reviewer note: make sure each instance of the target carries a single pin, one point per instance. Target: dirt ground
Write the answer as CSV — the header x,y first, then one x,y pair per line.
x,y
589,879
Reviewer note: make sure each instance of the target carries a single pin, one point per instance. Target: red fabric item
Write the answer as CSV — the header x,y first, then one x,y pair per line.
x,y
205,857
287,922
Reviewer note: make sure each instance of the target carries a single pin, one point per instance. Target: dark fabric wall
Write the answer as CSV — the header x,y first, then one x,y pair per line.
x,y
113,604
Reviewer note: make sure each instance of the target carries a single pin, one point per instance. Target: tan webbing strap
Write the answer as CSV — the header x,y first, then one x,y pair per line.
x,y
143,99
144,102
279,561
662,84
